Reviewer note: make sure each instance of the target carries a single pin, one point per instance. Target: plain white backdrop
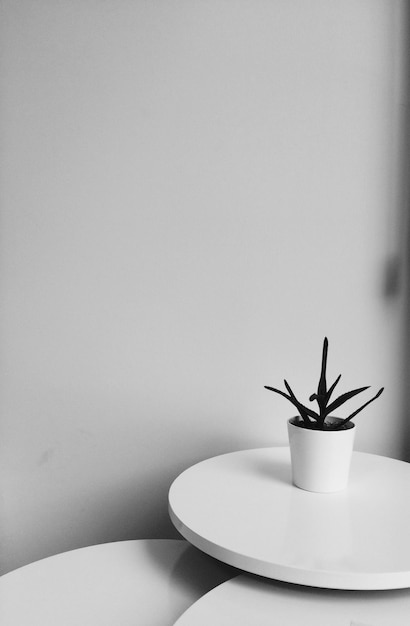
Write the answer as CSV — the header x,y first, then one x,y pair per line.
x,y
193,193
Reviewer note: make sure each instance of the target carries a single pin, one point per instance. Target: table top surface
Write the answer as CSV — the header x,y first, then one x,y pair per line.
x,y
148,582
243,509
246,600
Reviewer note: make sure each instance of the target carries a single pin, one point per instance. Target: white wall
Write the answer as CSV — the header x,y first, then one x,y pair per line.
x,y
193,193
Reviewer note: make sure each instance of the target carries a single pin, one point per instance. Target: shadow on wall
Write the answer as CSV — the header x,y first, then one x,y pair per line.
x,y
398,266
395,286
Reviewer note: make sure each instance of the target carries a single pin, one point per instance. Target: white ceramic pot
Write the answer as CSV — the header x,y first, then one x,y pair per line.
x,y
320,458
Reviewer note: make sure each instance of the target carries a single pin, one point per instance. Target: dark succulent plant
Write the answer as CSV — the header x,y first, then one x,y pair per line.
x,y
321,420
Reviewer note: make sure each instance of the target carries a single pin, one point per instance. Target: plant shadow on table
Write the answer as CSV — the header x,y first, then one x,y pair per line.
x,y
195,572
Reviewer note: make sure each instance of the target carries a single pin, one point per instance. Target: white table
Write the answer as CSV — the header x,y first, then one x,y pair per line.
x,y
242,509
246,601
129,583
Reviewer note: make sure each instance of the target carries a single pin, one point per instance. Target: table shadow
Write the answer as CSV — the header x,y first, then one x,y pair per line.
x,y
194,572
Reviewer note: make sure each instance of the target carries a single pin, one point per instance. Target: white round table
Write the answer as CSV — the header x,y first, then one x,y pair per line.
x,y
243,509
246,600
128,583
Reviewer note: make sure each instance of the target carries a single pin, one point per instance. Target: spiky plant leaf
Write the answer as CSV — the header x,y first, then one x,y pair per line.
x,y
304,411
343,398
322,386
285,395
321,389
379,393
309,412
282,393
331,388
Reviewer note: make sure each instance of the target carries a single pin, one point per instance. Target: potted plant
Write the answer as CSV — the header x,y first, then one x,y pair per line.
x,y
321,444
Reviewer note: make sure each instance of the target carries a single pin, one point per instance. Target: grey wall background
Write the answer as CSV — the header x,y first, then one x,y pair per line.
x,y
193,193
